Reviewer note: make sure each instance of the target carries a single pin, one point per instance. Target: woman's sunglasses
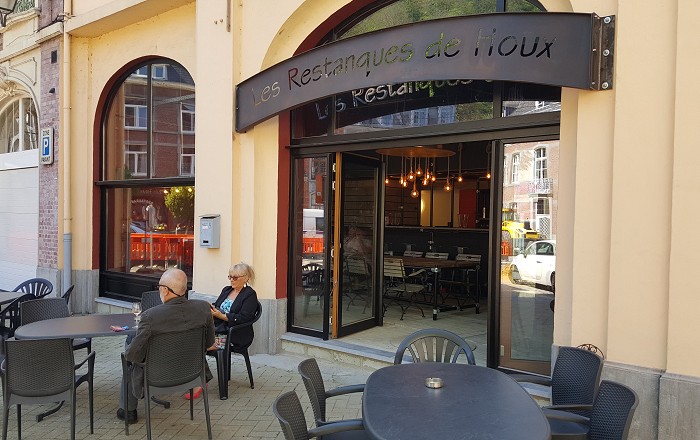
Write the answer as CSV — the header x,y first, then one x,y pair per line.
x,y
234,277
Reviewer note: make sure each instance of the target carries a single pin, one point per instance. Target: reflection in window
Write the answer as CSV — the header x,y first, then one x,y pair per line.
x,y
150,125
18,126
540,163
515,169
151,229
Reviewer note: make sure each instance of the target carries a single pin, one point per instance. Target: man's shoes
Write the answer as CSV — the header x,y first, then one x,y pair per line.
x,y
131,416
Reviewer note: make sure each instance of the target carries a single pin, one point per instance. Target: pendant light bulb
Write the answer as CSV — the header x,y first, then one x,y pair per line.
x,y
405,184
459,178
414,192
447,186
386,181
433,178
411,176
488,175
425,181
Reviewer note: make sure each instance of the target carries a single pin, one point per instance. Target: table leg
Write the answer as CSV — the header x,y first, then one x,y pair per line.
x,y
436,288
40,417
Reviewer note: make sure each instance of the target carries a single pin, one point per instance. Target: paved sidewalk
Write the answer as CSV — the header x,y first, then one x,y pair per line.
x,y
247,414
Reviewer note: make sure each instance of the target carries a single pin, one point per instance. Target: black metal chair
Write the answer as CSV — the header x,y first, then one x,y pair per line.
x,y
150,299
42,371
290,414
574,380
315,388
11,314
398,289
174,362
223,356
39,287
434,345
611,415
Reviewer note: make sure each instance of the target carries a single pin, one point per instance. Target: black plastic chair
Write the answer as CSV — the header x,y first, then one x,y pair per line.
x,y
434,345
223,357
39,287
611,415
66,296
11,314
574,380
42,371
174,362
50,308
150,299
290,414
315,388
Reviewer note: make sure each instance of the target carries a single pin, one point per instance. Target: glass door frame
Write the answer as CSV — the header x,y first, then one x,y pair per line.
x,y
495,353
340,330
328,239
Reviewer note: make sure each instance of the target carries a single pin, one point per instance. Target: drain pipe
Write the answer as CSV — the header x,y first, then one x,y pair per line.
x,y
66,157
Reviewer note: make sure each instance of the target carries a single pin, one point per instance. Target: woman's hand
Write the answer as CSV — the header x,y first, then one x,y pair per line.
x,y
216,313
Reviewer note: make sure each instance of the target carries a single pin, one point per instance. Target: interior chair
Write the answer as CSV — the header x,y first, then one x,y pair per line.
x,y
574,380
315,388
312,284
42,371
174,362
464,284
611,415
39,287
150,299
288,410
434,345
357,282
10,316
223,356
397,289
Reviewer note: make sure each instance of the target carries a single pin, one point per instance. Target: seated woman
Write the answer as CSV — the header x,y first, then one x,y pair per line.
x,y
235,305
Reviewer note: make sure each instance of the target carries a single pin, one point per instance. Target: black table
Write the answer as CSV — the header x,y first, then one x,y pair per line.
x,y
88,326
474,403
6,297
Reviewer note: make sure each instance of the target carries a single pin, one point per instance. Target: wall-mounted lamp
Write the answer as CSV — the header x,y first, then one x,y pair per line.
x,y
7,7
52,90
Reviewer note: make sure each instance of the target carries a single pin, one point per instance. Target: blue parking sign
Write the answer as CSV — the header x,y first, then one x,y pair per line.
x,y
46,146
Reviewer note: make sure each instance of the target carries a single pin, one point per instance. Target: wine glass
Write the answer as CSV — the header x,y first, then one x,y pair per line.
x,y
136,310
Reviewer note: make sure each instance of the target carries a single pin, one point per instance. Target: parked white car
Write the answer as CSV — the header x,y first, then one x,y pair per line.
x,y
535,264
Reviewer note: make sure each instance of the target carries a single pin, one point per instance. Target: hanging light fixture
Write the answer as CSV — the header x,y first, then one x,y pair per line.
x,y
401,179
411,176
433,178
419,172
403,168
386,169
447,186
459,176
414,192
488,163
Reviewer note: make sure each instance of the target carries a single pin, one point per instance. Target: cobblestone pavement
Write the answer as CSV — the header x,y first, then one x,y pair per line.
x,y
247,414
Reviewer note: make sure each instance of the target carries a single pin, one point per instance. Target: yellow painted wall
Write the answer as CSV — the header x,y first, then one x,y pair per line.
x,y
93,62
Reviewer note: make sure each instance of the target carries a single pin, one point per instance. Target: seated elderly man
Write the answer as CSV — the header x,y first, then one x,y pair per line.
x,y
177,313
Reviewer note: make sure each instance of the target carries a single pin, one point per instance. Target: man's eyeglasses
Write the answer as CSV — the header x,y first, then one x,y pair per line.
x,y
234,277
168,288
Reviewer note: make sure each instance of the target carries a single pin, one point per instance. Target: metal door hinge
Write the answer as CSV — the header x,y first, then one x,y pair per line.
x,y
503,351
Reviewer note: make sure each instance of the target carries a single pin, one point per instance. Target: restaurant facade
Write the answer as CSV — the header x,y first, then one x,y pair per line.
x,y
290,135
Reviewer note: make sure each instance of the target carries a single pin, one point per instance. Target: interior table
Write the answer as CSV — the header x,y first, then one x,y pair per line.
x,y
435,266
87,326
473,403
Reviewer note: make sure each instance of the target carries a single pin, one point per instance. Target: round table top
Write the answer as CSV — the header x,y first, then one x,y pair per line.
x,y
87,326
6,297
474,403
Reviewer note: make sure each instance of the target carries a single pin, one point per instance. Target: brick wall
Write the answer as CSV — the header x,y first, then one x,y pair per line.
x,y
48,174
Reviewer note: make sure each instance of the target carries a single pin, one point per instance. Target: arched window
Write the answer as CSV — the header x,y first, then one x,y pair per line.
x,y
147,179
422,103
18,126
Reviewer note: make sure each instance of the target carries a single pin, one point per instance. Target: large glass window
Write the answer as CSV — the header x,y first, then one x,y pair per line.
x,y
149,135
18,126
540,163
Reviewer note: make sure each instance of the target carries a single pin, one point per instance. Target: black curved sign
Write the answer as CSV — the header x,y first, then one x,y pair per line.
x,y
559,49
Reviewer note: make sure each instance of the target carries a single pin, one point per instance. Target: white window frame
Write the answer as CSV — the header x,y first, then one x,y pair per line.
x,y
137,108
136,154
191,115
540,162
190,171
155,74
141,72
515,168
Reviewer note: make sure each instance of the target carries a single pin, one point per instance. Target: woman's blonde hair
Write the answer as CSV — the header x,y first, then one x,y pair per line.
x,y
243,269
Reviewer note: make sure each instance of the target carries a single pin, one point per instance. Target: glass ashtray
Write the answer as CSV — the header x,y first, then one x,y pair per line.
x,y
433,382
